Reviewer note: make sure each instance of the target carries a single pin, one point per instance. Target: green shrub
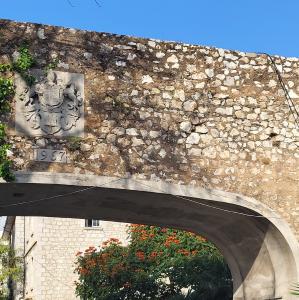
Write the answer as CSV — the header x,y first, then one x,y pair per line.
x,y
11,268
159,263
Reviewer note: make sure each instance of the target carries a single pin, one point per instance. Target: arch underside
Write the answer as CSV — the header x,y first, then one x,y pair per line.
x,y
262,253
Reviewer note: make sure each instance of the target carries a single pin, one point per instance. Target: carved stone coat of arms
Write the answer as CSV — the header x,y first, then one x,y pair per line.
x,y
52,106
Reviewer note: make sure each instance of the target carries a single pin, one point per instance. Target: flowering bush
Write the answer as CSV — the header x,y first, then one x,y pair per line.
x,y
159,263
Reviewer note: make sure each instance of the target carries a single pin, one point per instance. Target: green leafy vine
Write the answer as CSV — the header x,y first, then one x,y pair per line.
x,y
6,91
51,65
5,162
21,65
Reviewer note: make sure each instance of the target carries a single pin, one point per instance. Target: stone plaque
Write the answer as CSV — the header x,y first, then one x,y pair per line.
x,y
53,106
48,155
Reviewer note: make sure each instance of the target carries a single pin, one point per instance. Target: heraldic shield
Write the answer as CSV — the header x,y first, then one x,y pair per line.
x,y
52,96
52,106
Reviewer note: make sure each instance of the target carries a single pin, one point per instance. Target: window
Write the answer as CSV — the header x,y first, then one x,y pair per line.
x,y
92,223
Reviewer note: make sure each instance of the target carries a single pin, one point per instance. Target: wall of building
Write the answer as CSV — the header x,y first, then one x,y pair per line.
x,y
50,248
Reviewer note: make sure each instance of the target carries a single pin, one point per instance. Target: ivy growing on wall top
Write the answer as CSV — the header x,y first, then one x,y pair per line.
x,y
21,65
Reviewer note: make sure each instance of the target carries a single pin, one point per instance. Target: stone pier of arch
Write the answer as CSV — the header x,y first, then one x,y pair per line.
x,y
161,133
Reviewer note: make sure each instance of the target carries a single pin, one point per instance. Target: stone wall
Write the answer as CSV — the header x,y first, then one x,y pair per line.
x,y
50,248
162,110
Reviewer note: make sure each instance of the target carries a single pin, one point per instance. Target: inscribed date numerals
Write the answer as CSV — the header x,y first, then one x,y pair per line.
x,y
47,155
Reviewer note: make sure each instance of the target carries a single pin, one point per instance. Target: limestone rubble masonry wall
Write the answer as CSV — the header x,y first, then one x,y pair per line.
x,y
185,114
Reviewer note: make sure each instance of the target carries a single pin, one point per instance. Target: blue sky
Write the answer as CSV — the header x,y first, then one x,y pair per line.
x,y
248,25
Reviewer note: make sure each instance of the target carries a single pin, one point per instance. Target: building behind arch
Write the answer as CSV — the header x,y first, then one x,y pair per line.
x,y
49,246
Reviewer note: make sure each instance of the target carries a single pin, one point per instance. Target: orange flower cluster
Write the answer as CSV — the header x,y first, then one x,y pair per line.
x,y
154,254
136,227
114,240
202,239
105,255
144,236
83,271
90,250
171,240
187,252
184,252
91,263
140,254
111,241
191,233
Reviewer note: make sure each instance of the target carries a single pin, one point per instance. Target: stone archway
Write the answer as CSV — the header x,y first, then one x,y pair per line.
x,y
258,245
